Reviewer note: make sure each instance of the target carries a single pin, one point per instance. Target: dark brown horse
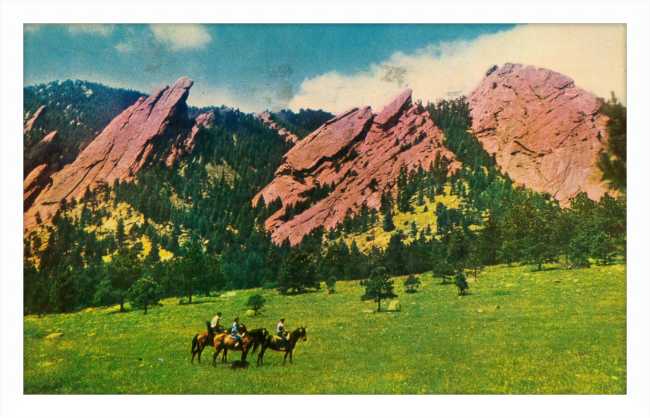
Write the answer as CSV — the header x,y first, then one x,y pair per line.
x,y
275,343
202,340
226,342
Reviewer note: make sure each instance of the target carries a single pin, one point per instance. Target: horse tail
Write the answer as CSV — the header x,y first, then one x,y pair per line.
x,y
195,343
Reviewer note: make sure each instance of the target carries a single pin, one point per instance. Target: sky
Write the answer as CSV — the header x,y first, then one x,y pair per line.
x,y
255,67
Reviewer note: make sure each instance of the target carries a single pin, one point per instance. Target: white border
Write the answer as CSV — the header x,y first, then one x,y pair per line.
x,y
635,14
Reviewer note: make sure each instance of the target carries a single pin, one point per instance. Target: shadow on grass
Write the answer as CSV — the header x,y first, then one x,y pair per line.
x,y
239,365
197,302
126,310
304,292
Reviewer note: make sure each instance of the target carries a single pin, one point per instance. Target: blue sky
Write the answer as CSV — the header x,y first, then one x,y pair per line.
x,y
257,67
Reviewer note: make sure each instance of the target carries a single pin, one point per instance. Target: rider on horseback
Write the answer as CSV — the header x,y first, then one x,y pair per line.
x,y
215,323
234,331
281,332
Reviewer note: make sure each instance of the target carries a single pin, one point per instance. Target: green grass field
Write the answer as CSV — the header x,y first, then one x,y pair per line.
x,y
518,331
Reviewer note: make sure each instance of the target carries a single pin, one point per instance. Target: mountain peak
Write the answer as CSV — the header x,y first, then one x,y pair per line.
x,y
546,133
359,156
120,151
393,110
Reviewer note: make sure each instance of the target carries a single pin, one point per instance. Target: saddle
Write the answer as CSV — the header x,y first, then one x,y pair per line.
x,y
230,338
276,339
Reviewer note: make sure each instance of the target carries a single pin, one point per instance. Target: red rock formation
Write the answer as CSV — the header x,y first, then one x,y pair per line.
x,y
120,150
29,124
204,119
33,184
546,132
267,120
41,152
361,154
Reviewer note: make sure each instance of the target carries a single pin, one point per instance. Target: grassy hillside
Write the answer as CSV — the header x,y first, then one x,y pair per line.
x,y
376,235
519,331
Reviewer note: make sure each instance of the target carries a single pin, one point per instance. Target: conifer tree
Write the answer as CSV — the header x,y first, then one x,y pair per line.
x,y
379,286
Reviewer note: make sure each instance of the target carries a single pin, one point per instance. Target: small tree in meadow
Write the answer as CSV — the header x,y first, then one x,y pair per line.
x,y
144,293
331,284
461,283
378,287
443,270
411,284
256,302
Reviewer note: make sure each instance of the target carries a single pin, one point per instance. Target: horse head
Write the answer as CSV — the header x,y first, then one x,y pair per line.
x,y
302,333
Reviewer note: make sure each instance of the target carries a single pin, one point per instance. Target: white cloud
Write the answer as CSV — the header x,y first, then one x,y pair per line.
x,y
91,29
178,37
594,56
123,47
204,95
31,28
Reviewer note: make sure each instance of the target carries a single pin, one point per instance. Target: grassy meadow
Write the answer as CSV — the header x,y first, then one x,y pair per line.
x,y
518,331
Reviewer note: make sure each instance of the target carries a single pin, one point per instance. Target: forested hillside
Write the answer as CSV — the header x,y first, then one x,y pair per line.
x,y
192,229
77,110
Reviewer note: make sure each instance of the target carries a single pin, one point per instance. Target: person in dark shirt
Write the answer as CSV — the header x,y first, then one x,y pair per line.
x,y
281,332
234,331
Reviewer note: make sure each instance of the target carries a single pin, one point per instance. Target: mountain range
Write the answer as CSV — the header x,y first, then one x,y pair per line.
x,y
544,132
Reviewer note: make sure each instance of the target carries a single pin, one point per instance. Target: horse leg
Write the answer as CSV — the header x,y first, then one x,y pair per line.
x,y
285,358
224,359
291,357
200,351
260,356
214,357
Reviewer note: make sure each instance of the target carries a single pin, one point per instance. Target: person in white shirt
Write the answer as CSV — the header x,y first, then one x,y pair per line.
x,y
215,323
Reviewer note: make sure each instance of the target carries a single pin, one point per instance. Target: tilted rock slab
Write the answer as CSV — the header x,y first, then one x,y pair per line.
x,y
267,120
33,184
359,152
120,151
203,120
41,152
29,123
546,132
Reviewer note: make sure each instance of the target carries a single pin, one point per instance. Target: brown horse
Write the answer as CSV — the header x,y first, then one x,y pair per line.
x,y
202,340
226,342
275,344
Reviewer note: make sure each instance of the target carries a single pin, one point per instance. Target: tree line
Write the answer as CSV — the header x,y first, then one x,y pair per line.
x,y
200,213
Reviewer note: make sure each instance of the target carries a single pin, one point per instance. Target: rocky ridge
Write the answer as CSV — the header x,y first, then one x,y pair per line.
x,y
29,123
120,151
267,120
361,154
546,133
186,146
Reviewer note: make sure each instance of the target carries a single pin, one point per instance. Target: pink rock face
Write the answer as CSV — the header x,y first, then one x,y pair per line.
x,y
33,184
546,132
119,151
39,152
267,120
29,124
361,156
204,119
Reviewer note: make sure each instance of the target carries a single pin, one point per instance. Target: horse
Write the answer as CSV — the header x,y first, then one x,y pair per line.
x,y
275,344
202,340
226,342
